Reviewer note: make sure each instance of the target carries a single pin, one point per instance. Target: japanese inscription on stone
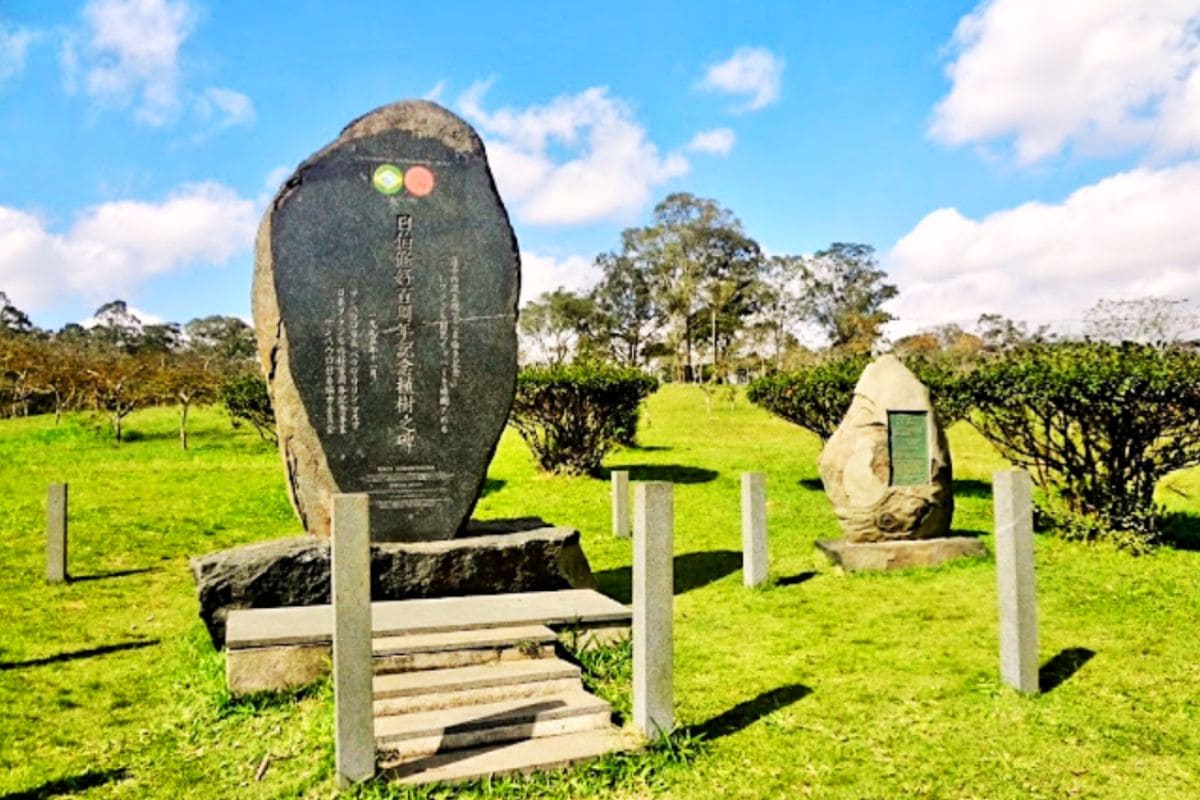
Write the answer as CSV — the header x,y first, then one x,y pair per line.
x,y
395,273
908,447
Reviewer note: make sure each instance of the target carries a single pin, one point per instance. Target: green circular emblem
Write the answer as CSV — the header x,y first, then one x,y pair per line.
x,y
388,179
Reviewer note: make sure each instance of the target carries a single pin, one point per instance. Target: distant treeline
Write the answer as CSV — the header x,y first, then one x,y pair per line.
x,y
120,364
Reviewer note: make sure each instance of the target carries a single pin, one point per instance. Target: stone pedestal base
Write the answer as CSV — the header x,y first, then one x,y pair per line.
x,y
494,558
880,556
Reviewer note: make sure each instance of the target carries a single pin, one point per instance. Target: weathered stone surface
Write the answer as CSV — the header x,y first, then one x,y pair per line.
x,y
56,533
1016,581
295,571
875,472
881,556
653,608
385,298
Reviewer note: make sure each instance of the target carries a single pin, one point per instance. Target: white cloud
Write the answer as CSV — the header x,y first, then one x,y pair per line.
x,y
131,56
225,108
128,56
542,273
754,72
112,248
275,179
718,141
1130,235
579,158
435,92
1100,75
14,47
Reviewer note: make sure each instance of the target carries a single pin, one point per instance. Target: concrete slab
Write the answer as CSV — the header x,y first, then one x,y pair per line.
x,y
464,640
265,627
413,662
440,730
273,669
485,693
517,757
405,684
882,556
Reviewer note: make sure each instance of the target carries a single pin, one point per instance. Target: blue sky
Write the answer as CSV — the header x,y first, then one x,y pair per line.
x,y
1006,156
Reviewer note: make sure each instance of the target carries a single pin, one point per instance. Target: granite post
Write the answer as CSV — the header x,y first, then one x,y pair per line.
x,y
56,533
620,503
1015,583
754,529
653,608
354,722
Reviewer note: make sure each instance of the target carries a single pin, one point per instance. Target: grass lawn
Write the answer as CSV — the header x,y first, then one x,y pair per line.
x,y
820,685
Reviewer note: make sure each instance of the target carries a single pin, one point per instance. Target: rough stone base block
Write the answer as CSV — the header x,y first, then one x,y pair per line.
x,y
880,556
498,557
274,669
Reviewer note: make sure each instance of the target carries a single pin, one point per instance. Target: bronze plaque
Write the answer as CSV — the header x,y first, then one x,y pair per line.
x,y
908,447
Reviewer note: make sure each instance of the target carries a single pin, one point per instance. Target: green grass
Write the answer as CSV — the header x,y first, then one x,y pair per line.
x,y
821,685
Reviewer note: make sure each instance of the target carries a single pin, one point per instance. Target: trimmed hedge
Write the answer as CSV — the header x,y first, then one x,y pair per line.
x,y
570,415
817,396
1097,425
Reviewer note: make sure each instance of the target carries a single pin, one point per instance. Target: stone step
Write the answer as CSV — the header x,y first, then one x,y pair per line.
x,y
428,732
407,692
442,650
550,752
583,608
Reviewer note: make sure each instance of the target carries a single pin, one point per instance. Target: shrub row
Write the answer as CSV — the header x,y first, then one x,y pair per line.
x,y
1097,425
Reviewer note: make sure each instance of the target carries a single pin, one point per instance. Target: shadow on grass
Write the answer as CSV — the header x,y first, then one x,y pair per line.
x,y
1181,530
692,571
120,573
794,580
672,473
969,487
1058,669
492,527
812,484
749,711
969,533
491,486
77,654
71,785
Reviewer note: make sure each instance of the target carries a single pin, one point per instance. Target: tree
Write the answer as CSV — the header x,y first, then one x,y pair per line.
x,y
729,286
781,304
555,323
229,338
1000,334
21,359
116,327
185,379
160,338
844,291
13,319
118,385
63,375
701,264
1147,320
247,399
626,313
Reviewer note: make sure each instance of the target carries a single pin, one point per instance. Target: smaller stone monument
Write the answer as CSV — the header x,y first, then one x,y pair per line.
x,y
887,471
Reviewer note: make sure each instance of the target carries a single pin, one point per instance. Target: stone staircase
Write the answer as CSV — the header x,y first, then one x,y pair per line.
x,y
460,704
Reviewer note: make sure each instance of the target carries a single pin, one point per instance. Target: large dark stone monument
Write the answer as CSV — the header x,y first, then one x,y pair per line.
x,y
385,302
